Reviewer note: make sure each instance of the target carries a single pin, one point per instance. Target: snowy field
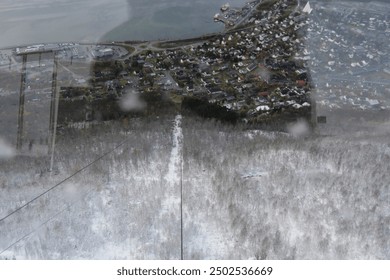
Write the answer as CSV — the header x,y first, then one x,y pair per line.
x,y
246,194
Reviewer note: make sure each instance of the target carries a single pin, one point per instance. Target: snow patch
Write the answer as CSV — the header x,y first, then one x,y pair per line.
x,y
270,135
254,174
174,168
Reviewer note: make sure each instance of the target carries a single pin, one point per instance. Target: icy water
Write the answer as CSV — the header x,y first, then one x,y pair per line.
x,y
39,21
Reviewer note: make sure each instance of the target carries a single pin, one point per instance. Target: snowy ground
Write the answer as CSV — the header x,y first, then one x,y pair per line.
x,y
321,198
246,194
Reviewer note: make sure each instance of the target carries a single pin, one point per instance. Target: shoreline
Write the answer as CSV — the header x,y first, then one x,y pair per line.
x,y
202,37
227,75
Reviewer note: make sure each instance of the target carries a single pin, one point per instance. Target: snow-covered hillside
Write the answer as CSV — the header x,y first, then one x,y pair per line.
x,y
246,194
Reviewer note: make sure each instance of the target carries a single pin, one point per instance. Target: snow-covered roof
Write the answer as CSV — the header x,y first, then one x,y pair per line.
x,y
307,8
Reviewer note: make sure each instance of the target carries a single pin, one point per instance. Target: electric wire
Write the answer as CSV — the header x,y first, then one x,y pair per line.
x,y
52,188
63,181
42,224
66,208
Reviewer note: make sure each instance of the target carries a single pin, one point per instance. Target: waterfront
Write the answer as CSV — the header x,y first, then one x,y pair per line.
x,y
43,21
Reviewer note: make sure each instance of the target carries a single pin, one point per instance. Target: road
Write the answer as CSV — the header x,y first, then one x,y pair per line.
x,y
152,45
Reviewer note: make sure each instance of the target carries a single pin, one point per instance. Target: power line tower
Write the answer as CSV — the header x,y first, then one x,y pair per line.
x,y
53,103
23,75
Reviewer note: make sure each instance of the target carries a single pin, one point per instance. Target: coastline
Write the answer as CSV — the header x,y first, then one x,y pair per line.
x,y
200,37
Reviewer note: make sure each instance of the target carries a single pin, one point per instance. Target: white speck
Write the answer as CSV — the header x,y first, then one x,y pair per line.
x,y
299,129
6,151
132,102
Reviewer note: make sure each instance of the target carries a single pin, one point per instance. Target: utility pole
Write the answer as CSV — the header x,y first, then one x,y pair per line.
x,y
53,112
53,104
181,206
19,141
181,145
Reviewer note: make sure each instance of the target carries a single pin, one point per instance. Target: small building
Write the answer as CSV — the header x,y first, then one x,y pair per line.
x,y
262,108
307,9
107,52
251,67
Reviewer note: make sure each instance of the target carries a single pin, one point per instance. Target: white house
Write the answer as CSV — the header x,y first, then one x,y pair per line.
x,y
307,9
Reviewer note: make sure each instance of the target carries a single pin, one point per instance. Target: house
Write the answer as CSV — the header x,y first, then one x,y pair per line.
x,y
140,62
107,52
251,67
190,88
307,9
230,98
262,108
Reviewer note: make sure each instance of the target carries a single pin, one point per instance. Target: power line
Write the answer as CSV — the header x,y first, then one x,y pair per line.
x,y
23,237
181,198
63,181
42,224
181,206
63,210
66,208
